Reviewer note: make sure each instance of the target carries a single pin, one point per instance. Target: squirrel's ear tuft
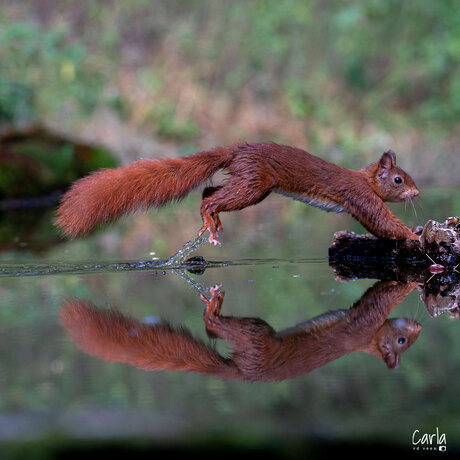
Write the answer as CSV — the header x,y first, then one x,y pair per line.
x,y
391,360
388,160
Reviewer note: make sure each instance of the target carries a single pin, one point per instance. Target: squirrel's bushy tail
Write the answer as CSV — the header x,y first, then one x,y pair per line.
x,y
111,336
107,194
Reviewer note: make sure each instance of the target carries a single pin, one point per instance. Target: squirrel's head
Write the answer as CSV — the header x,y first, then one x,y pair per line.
x,y
395,337
390,182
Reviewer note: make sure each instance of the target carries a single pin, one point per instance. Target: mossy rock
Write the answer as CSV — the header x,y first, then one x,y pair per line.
x,y
36,162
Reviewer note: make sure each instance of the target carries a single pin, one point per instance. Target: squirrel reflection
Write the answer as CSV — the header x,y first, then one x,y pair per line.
x,y
260,353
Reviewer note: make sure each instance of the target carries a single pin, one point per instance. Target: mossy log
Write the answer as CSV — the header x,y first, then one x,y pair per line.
x,y
434,262
366,256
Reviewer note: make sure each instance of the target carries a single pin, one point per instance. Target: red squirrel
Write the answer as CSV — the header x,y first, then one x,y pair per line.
x,y
254,171
260,353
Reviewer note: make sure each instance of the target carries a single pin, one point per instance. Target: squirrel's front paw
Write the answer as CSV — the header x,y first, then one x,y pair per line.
x,y
417,230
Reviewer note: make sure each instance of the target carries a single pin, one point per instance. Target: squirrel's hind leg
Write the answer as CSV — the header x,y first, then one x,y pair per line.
x,y
211,220
234,195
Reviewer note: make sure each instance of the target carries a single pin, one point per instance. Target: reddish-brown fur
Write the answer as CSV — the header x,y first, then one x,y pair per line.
x,y
255,170
260,353
111,336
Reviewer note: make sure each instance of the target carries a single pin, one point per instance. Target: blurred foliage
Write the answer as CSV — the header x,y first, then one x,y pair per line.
x,y
162,116
374,59
42,72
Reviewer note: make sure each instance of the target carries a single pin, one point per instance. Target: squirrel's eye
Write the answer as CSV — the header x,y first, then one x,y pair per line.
x,y
398,180
401,340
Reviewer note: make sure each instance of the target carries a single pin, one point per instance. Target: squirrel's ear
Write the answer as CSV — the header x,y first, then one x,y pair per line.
x,y
386,162
388,159
391,359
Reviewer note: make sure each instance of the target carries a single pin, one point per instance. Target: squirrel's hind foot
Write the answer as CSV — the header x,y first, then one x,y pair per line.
x,y
212,223
213,304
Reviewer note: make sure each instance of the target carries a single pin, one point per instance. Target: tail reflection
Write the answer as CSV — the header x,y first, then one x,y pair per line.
x,y
260,353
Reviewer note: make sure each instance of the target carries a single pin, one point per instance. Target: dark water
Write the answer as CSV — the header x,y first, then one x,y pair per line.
x,y
64,312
